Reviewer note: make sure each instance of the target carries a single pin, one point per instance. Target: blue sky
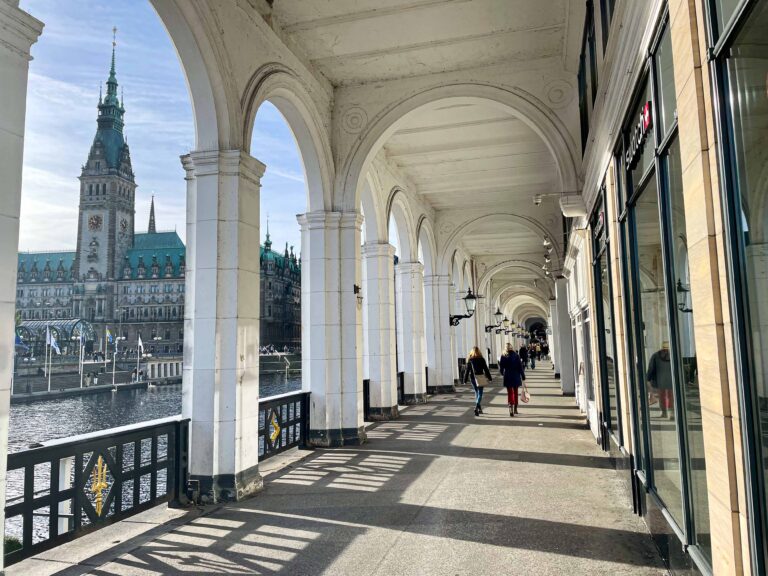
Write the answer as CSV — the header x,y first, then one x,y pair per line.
x,y
71,60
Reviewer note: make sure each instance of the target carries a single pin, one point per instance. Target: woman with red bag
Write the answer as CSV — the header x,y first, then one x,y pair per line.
x,y
511,368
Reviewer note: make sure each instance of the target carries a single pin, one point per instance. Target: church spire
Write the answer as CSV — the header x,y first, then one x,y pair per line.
x,y
151,228
267,242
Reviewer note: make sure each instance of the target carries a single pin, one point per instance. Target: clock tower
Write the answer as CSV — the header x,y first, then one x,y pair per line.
x,y
107,205
107,194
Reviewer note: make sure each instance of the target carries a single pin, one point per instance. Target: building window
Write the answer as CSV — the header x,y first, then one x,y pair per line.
x,y
587,75
167,333
741,60
667,411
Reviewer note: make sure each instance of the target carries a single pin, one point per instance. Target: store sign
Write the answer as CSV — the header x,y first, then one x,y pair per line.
x,y
599,226
638,136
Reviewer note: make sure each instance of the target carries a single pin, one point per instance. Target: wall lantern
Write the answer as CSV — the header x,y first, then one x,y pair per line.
x,y
470,301
359,293
682,297
497,316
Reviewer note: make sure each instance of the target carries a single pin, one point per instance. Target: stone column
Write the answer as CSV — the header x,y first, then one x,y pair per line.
x,y
431,331
379,303
221,323
18,31
554,348
441,371
409,283
331,337
564,339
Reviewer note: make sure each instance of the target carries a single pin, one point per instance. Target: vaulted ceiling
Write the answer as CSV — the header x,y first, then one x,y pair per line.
x,y
357,41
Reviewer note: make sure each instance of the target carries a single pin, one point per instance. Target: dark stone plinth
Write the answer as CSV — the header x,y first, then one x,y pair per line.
x,y
409,399
382,413
450,389
337,437
227,487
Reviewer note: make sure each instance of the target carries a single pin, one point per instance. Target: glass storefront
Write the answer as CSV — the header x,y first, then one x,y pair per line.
x,y
662,350
604,317
740,44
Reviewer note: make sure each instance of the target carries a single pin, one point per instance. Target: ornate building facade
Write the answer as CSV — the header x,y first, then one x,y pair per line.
x,y
129,282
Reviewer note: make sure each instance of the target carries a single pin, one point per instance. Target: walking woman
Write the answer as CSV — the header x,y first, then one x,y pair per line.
x,y
477,372
511,368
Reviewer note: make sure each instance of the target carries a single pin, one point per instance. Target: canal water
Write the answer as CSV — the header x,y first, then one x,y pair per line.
x,y
44,420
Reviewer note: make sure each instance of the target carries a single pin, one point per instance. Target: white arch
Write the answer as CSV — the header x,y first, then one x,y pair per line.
x,y
210,109
399,209
375,223
425,236
522,104
283,88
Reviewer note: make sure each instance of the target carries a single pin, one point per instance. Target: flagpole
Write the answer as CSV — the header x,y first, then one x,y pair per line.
x,y
50,360
82,348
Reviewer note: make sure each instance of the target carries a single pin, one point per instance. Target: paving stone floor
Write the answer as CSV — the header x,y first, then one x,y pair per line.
x,y
438,491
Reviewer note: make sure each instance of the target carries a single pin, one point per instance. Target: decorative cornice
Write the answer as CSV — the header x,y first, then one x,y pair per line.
x,y
18,30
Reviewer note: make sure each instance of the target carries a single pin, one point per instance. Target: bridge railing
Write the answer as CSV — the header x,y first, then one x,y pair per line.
x,y
65,488
283,423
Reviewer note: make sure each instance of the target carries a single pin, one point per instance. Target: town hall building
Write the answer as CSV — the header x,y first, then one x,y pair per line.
x,y
130,282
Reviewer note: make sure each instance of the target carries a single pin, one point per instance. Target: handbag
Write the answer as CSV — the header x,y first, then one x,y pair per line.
x,y
525,396
480,382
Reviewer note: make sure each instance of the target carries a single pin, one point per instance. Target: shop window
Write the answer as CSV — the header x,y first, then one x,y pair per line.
x,y
741,59
688,365
665,80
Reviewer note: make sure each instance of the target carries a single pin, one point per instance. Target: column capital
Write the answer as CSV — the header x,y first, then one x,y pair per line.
x,y
437,280
319,219
351,220
19,30
382,249
226,162
403,268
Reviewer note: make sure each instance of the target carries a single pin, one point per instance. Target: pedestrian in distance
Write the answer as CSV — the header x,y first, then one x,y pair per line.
x,y
478,374
511,368
532,356
524,355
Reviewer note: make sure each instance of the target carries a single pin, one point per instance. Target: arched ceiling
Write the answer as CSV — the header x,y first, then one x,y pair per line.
x,y
358,41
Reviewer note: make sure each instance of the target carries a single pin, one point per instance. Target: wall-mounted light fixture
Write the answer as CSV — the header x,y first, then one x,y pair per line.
x,y
359,293
496,316
470,302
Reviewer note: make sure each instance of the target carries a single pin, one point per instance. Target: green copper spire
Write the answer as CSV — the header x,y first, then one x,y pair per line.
x,y
267,242
151,228
110,119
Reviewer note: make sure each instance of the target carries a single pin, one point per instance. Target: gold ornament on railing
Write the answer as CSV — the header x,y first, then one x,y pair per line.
x,y
99,483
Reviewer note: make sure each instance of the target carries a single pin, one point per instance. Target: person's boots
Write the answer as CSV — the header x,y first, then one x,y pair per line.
x,y
480,408
515,408
511,410
477,411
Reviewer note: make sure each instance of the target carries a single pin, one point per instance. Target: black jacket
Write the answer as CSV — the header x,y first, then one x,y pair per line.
x,y
477,366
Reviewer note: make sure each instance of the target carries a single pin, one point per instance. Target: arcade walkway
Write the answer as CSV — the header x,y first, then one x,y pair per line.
x,y
436,492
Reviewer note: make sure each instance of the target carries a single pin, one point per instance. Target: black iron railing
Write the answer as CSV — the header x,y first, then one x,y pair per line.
x,y
366,400
65,488
401,388
283,423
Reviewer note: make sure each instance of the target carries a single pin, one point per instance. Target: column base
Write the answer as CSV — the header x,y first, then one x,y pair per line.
x,y
227,487
381,413
337,438
409,399
450,389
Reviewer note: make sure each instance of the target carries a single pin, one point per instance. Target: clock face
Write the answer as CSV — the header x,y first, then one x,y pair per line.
x,y
123,224
94,222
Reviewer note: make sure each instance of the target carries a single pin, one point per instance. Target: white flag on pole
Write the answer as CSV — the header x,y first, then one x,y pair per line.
x,y
54,345
141,345
50,340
